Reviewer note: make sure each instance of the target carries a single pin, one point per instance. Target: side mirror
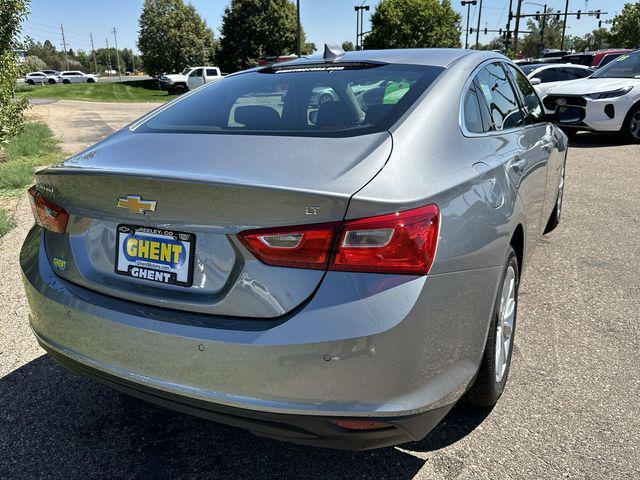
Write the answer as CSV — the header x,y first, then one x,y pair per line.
x,y
535,81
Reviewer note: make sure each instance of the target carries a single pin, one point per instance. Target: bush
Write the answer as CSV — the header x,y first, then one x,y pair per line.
x,y
32,64
6,222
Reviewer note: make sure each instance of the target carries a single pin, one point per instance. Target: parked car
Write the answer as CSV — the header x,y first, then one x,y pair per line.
x,y
190,78
585,59
603,57
76,76
546,76
40,77
607,101
340,280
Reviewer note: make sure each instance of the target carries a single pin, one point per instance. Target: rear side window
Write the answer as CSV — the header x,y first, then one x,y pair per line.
x,y
211,72
530,101
549,75
496,91
337,99
471,110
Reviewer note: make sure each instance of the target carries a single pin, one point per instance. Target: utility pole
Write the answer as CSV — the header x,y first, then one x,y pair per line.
x,y
95,63
360,23
299,39
468,3
117,54
64,46
507,35
108,53
542,27
478,30
564,24
517,27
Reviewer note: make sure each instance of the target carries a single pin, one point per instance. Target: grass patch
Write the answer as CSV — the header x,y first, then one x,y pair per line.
x,y
33,147
6,222
131,92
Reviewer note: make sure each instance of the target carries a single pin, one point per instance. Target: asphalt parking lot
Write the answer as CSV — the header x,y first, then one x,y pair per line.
x,y
570,409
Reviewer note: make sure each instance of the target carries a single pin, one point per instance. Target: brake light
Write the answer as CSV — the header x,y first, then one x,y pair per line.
x,y
46,213
402,243
299,247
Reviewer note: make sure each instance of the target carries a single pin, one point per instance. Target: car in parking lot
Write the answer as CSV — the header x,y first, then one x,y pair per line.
x,y
607,101
40,77
546,76
189,79
76,76
337,275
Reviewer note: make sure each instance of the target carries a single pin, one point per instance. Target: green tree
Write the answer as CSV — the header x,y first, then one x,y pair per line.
x,y
414,24
256,29
626,27
347,46
533,42
598,39
173,36
12,13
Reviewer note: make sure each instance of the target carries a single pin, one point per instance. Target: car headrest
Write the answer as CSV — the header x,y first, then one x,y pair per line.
x,y
375,113
257,117
335,115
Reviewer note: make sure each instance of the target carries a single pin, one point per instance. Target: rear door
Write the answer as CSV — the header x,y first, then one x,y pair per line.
x,y
196,78
521,146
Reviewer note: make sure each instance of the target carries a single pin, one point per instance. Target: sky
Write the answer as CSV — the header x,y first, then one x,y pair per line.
x,y
322,20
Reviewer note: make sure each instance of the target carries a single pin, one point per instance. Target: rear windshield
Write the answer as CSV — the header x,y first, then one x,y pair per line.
x,y
305,100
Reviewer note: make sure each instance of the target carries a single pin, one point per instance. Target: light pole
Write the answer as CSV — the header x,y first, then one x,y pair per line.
x,y
360,9
478,30
299,39
468,3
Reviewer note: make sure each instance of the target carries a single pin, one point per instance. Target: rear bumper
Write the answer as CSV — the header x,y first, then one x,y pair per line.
x,y
305,429
365,345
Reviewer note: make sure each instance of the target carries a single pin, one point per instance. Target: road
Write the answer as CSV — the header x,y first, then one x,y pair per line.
x,y
570,409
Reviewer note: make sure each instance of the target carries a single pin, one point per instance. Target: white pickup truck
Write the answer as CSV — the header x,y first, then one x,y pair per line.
x,y
190,78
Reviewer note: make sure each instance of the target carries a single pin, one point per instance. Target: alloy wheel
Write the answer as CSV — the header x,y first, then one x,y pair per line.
x,y
634,125
506,318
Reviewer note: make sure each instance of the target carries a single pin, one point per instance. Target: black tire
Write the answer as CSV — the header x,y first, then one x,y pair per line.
x,y
487,389
90,80
632,124
556,215
570,132
30,82
51,81
66,81
179,89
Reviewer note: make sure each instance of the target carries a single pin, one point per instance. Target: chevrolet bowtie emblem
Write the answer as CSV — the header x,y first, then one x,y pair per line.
x,y
135,204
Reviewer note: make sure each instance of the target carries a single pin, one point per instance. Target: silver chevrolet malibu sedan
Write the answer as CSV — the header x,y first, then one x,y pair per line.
x,y
333,273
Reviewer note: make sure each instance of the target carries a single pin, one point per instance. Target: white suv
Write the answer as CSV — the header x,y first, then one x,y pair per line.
x,y
607,101
40,77
76,76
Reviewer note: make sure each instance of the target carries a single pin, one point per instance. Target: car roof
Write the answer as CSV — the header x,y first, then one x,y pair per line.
x,y
437,57
563,65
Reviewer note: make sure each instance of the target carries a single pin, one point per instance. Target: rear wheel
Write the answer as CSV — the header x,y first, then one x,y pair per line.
x,y
496,360
631,127
66,81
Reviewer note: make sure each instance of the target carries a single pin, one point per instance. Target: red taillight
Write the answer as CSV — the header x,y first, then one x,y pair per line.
x,y
300,247
403,243
46,213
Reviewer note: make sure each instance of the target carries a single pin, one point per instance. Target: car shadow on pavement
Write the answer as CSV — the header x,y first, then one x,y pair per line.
x,y
597,140
56,424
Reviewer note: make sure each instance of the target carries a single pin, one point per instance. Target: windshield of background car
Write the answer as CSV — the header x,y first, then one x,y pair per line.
x,y
625,66
341,99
